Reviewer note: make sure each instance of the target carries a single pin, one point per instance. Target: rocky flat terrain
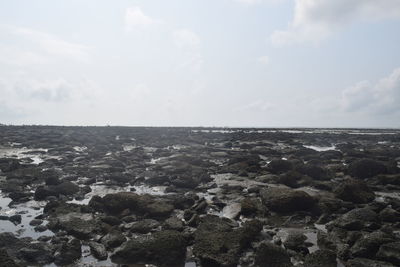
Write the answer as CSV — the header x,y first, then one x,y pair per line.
x,y
127,196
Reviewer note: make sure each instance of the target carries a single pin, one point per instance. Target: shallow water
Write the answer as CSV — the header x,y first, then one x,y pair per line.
x,y
28,212
103,189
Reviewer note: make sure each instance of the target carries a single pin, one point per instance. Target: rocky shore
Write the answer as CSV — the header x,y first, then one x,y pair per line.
x,y
127,196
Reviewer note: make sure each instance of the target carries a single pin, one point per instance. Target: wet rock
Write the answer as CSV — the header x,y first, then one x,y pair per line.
x,y
389,215
80,225
356,219
35,222
217,244
368,245
9,164
66,188
6,260
286,200
68,252
18,196
113,239
268,254
390,252
278,166
15,219
314,171
166,248
295,241
173,223
251,207
159,209
354,191
40,228
38,253
362,262
326,258
111,220
98,250
365,168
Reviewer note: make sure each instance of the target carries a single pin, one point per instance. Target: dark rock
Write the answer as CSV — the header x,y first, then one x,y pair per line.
x,y
166,248
65,188
278,166
389,215
15,219
6,260
98,250
390,252
173,223
361,262
368,245
35,222
68,252
295,240
9,164
314,171
354,191
365,168
217,244
80,225
40,228
326,258
111,220
268,254
356,219
113,239
286,200
38,253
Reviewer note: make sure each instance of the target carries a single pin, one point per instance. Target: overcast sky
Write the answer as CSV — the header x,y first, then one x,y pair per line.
x,y
265,63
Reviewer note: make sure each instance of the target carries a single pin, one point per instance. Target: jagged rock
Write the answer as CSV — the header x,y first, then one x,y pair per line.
x,y
217,244
286,200
354,191
268,254
368,245
165,248
390,252
362,262
326,258
356,219
365,168
113,239
98,250
80,225
278,166
68,252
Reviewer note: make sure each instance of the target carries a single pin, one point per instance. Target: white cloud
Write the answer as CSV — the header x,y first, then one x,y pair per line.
x,y
40,47
135,18
263,60
316,20
185,38
381,97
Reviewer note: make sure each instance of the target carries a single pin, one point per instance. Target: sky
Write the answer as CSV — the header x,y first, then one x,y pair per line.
x,y
223,63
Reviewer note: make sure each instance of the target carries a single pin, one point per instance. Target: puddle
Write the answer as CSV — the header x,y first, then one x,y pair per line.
x,y
80,148
37,155
28,212
381,196
102,190
321,148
